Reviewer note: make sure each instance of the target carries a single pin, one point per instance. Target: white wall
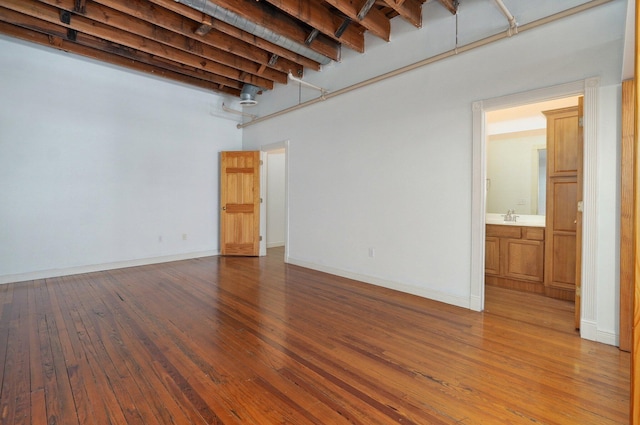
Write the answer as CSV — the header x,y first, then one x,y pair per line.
x,y
98,163
389,166
275,198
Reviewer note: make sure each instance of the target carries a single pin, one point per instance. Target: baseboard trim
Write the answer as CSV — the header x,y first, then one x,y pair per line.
x,y
475,303
409,289
609,338
275,244
588,330
44,274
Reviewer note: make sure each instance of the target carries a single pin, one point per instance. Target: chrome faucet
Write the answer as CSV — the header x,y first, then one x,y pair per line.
x,y
510,216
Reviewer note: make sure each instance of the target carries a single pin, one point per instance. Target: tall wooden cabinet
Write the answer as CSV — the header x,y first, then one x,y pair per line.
x,y
564,169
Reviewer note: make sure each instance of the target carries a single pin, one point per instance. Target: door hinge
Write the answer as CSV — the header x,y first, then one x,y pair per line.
x,y
261,200
578,291
581,122
260,238
261,162
581,206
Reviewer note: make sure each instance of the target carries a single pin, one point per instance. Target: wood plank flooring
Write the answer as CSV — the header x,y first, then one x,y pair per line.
x,y
255,341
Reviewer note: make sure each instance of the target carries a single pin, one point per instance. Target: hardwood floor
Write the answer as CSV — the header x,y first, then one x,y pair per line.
x,y
531,308
254,341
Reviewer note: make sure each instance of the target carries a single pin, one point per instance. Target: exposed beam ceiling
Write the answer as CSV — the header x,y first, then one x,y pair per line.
x,y
215,44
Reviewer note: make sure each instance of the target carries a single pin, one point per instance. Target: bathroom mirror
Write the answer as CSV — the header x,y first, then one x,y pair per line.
x,y
516,176
517,157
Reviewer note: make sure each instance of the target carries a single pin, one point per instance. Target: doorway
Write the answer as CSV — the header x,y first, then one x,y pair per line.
x,y
274,192
589,89
539,263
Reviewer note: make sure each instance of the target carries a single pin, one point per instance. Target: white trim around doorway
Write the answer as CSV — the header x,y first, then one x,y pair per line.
x,y
589,88
263,223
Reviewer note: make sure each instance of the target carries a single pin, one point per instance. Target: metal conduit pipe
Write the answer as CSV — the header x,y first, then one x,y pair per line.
x,y
235,111
304,83
231,18
460,49
513,25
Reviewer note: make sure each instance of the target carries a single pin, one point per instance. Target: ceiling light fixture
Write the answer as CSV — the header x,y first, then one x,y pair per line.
x,y
248,95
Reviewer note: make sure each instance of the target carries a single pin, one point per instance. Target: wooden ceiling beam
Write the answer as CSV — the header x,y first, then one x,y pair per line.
x,y
128,21
316,15
239,34
374,20
166,64
409,10
39,9
450,5
280,23
176,23
59,31
99,54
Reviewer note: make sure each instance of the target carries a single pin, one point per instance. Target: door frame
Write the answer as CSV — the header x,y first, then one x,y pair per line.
x,y
265,149
589,89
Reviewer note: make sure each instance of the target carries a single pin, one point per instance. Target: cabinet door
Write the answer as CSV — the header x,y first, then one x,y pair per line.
x,y
562,142
523,259
492,256
564,188
561,233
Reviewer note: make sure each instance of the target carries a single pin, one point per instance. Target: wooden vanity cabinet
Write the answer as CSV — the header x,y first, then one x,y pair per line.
x,y
514,257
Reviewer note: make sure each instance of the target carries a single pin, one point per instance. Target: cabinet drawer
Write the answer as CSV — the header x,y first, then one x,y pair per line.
x,y
533,233
513,232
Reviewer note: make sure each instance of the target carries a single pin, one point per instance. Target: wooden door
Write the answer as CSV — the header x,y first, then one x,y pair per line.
x,y
627,188
563,165
240,203
635,291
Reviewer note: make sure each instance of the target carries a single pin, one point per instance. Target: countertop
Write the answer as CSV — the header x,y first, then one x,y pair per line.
x,y
521,220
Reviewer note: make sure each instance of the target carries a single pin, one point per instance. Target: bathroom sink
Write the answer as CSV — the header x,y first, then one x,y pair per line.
x,y
521,220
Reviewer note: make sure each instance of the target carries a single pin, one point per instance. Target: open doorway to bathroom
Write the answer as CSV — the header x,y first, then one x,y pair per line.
x,y
530,257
